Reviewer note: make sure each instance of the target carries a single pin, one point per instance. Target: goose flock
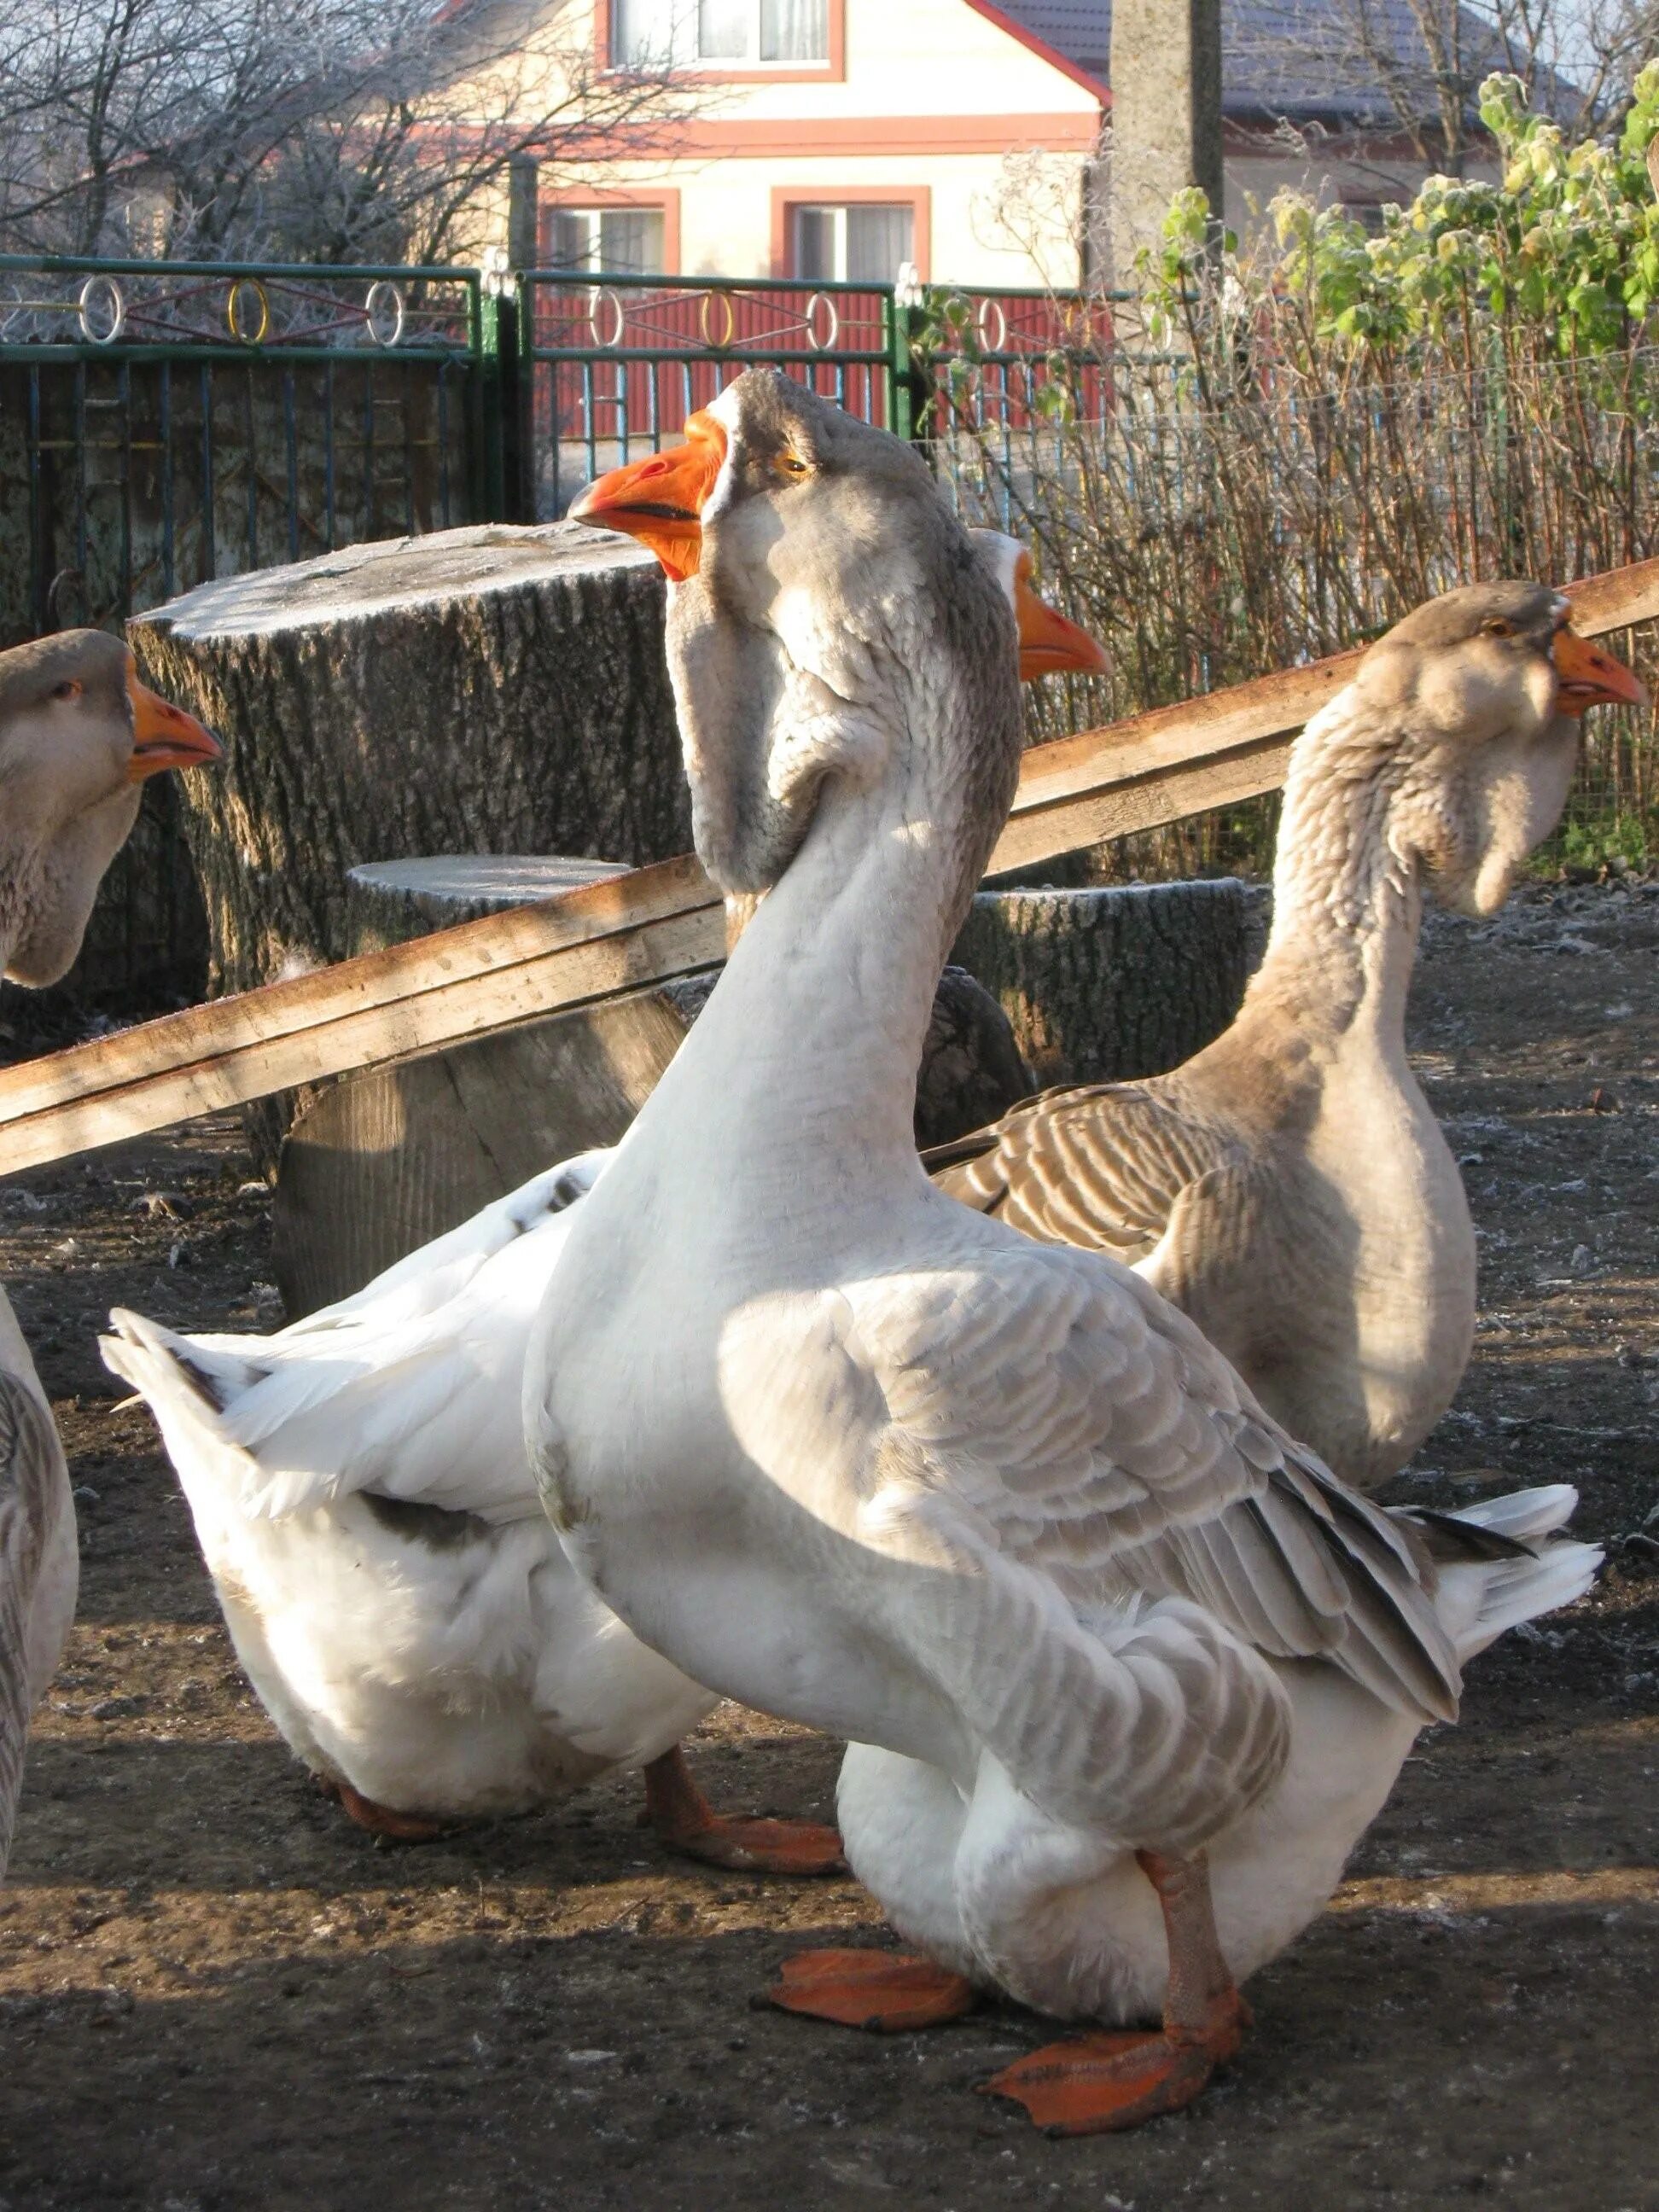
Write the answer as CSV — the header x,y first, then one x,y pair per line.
x,y
1035,1468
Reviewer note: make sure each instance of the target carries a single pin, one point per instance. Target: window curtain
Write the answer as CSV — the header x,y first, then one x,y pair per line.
x,y
643,30
877,240
815,244
723,30
630,241
794,30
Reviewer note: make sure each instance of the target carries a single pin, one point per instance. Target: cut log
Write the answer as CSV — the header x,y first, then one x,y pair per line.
x,y
389,902
1105,984
484,691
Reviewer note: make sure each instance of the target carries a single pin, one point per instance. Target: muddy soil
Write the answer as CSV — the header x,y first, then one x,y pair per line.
x,y
216,1994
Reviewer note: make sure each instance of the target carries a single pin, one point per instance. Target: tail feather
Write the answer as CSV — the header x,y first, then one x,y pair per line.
x,y
1535,1571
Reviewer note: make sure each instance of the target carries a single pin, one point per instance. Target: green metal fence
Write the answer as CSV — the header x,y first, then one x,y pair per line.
x,y
165,424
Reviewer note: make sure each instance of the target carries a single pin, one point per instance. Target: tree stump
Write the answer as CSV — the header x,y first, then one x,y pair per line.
x,y
482,690
1106,984
389,902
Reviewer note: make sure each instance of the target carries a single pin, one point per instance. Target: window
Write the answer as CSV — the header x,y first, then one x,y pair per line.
x,y
685,33
861,245
613,241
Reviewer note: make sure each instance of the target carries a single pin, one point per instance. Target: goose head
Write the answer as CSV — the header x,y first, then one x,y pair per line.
x,y
1481,691
827,611
79,734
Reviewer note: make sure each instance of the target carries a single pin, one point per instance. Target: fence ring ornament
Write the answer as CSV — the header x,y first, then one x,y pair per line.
x,y
986,309
826,344
382,294
233,311
603,295
114,300
717,344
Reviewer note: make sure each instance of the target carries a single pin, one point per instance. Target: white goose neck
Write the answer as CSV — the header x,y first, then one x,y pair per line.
x,y
811,1046
1346,905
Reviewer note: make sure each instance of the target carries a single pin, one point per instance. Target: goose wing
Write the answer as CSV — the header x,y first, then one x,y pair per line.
x,y
1102,1165
1068,1416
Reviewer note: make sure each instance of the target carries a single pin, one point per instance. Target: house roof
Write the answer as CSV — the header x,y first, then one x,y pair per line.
x,y
1302,60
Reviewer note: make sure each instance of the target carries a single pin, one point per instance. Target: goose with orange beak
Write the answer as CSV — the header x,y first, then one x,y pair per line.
x,y
78,733
1289,1187
1126,1670
365,1503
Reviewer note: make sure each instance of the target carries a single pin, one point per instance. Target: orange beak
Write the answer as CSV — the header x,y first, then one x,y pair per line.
x,y
661,500
164,736
1049,645
1586,677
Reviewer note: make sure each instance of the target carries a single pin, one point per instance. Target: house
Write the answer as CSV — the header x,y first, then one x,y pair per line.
x,y
848,139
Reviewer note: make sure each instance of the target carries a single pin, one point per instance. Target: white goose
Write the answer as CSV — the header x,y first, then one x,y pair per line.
x,y
78,735
1289,1186
364,1503
991,1508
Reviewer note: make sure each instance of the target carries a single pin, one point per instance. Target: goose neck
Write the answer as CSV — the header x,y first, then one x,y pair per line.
x,y
1348,905
814,1038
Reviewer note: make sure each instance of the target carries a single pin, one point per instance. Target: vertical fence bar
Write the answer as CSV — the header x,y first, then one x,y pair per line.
x,y
164,402
124,400
81,556
328,532
38,562
209,527
250,462
291,454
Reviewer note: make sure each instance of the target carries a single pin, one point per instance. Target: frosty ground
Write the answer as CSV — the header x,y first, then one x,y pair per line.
x,y
215,1995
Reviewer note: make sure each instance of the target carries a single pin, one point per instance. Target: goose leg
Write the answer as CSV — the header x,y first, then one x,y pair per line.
x,y
1115,2080
679,1814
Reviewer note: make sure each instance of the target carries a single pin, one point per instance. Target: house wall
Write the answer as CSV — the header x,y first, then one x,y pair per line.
x,y
933,102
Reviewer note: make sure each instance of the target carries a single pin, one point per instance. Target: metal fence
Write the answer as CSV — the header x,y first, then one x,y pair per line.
x,y
162,424
612,367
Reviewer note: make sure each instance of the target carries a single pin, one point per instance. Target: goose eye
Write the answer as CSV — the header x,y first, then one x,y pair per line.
x,y
1499,627
70,689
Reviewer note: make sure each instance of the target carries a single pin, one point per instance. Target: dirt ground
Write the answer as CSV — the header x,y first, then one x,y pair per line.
x,y
216,1994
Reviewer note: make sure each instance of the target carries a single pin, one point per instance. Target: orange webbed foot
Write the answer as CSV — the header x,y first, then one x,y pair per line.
x,y
886,1990
1095,2084
686,1822
791,1847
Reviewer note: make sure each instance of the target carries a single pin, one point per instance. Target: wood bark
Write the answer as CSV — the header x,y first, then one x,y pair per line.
x,y
1105,984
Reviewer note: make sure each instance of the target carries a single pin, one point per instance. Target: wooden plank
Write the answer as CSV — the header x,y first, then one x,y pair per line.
x,y
651,924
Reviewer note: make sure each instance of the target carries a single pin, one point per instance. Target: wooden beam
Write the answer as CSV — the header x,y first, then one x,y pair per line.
x,y
651,924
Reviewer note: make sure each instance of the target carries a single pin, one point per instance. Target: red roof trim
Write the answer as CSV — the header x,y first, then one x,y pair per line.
x,y
1041,47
